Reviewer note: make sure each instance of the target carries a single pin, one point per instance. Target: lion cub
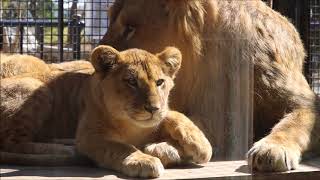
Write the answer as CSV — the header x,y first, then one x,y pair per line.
x,y
126,124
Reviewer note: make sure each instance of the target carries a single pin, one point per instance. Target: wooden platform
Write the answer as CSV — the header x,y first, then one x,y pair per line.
x,y
213,170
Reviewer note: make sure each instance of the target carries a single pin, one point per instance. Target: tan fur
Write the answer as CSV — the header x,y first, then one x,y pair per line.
x,y
27,128
16,64
12,65
118,129
215,38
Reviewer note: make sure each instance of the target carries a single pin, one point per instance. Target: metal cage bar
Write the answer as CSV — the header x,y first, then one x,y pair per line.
x,y
314,46
54,30
63,30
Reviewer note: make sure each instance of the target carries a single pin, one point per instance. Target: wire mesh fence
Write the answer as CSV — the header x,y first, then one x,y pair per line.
x,y
63,30
314,46
54,30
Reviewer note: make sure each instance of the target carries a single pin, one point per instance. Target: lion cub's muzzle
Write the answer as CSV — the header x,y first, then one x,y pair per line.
x,y
151,109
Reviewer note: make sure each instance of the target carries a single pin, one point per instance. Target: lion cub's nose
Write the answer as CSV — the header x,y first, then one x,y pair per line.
x,y
151,109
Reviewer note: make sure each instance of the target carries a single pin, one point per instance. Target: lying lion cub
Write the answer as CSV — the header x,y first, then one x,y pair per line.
x,y
126,124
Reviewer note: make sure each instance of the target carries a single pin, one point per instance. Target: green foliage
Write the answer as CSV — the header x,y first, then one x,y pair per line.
x,y
51,35
45,8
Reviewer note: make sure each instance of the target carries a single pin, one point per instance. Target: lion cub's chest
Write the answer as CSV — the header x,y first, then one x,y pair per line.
x,y
130,134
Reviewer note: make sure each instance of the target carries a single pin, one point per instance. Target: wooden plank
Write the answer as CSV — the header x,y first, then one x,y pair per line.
x,y
212,170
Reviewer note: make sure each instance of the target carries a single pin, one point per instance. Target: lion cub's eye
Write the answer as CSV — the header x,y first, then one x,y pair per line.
x,y
132,82
160,82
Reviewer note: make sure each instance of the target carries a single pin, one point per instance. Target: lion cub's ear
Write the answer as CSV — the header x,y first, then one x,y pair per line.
x,y
104,58
171,58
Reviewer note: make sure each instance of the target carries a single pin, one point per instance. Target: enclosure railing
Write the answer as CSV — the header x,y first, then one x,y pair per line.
x,y
76,27
313,65
54,30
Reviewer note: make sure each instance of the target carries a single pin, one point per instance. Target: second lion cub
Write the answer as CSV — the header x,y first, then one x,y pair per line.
x,y
126,124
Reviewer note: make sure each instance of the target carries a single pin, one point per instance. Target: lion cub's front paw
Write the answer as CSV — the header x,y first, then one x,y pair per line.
x,y
195,145
168,154
270,156
139,164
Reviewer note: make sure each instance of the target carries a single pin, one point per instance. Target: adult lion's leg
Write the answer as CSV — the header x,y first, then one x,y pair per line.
x,y
296,132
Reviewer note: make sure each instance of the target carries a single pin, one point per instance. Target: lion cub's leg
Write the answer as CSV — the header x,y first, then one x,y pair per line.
x,y
25,104
40,154
120,157
192,143
168,153
64,141
39,148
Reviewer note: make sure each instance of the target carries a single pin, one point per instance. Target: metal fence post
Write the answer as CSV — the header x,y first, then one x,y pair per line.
x,y
76,36
41,39
21,38
60,29
1,38
304,31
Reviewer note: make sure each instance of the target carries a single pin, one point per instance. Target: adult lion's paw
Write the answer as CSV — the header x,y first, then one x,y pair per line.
x,y
193,142
270,156
139,164
168,154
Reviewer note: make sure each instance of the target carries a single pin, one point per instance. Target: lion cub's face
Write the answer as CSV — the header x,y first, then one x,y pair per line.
x,y
134,85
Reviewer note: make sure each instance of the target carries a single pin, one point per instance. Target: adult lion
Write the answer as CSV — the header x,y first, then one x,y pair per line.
x,y
217,37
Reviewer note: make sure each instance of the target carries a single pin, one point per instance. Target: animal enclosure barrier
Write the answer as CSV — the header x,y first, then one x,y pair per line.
x,y
57,30
314,46
54,30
